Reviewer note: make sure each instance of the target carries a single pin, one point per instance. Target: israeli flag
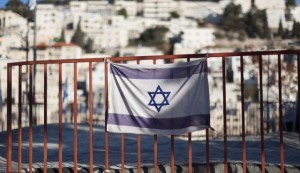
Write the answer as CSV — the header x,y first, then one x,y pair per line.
x,y
158,99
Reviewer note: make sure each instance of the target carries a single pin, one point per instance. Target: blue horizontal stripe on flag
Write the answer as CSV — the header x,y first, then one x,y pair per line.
x,y
159,123
158,73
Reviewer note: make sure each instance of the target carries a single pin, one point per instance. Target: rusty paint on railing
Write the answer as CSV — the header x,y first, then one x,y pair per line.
x,y
262,138
20,121
75,120
60,119
106,116
243,116
280,116
224,115
45,117
31,100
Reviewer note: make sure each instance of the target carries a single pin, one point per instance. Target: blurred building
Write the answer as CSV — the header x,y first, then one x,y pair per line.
x,y
49,23
193,39
159,9
131,7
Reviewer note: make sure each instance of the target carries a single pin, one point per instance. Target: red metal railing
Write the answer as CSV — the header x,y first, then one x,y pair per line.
x,y
90,62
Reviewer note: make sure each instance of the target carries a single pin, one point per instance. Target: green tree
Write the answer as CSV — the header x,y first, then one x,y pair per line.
x,y
266,29
62,36
18,7
290,3
78,36
174,14
280,32
122,12
296,30
232,18
257,24
154,37
88,47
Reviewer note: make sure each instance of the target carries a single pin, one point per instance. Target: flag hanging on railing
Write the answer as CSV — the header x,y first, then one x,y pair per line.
x,y
158,99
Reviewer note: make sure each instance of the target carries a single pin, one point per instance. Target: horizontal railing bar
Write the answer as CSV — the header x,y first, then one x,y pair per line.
x,y
209,55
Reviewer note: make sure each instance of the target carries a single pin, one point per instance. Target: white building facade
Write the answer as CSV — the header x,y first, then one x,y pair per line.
x,y
110,37
296,13
130,7
158,8
49,21
196,38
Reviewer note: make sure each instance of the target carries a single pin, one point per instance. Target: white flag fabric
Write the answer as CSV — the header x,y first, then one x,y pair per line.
x,y
158,99
32,4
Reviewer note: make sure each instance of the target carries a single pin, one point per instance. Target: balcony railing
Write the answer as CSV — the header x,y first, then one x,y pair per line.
x,y
253,113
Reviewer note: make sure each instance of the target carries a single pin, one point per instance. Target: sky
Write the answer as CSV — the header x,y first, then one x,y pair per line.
x,y
3,2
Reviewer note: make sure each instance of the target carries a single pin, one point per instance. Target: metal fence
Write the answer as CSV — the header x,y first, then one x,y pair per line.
x,y
263,107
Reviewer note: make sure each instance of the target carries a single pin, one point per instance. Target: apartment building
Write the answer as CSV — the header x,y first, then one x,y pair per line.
x,y
196,38
198,9
274,16
131,7
110,37
89,22
267,4
296,13
49,22
158,8
12,23
101,7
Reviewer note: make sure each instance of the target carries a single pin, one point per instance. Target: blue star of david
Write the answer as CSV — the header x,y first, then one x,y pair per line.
x,y
153,95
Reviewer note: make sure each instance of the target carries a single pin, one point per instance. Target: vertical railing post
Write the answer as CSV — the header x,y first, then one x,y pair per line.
x,y
75,119
122,153
139,152
172,155
280,116
207,167
9,113
106,115
190,153
224,115
155,153
155,144
60,119
45,117
91,115
172,147
31,100
20,121
243,116
139,144
122,147
207,150
261,116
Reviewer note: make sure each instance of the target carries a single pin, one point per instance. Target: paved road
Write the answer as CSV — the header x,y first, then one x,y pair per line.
x,y
291,148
